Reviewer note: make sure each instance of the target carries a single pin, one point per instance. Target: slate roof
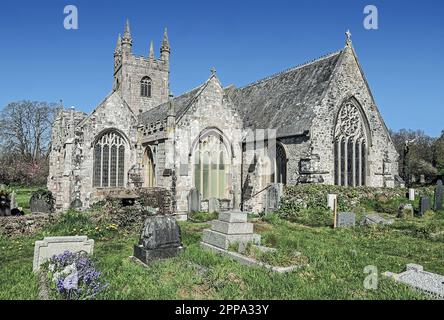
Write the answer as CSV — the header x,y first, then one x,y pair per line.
x,y
285,101
180,103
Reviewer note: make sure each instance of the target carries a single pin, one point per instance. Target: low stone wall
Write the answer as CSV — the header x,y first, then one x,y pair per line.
x,y
147,197
315,195
24,225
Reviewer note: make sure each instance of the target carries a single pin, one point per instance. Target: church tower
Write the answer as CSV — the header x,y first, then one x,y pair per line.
x,y
143,82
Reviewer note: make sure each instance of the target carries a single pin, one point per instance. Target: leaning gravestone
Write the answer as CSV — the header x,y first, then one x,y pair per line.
x,y
160,239
375,219
42,201
50,246
194,201
345,219
438,195
424,205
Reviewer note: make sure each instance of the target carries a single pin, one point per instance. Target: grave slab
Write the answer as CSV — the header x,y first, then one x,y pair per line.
x,y
50,246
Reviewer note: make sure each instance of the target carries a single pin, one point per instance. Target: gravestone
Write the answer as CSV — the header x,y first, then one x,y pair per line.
x,y
424,205
422,179
405,211
273,198
194,201
49,246
438,195
160,238
230,228
5,206
213,205
375,219
42,201
13,200
331,200
415,277
411,194
345,219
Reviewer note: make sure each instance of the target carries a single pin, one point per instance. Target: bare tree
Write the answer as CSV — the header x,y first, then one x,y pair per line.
x,y
25,129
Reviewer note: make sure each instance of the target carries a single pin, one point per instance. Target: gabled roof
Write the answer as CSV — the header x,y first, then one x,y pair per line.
x,y
285,101
180,104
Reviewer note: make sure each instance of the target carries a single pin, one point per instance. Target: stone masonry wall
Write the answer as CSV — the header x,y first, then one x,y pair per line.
x,y
211,110
348,82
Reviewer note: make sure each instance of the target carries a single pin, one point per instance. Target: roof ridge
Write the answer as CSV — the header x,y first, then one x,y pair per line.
x,y
299,66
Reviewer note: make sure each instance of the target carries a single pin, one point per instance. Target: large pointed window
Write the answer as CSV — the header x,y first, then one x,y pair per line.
x,y
145,87
274,165
350,146
211,167
109,161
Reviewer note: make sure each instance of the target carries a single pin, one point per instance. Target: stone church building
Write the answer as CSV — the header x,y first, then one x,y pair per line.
x,y
313,123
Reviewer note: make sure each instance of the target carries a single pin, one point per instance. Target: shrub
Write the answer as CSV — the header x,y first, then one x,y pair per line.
x,y
201,216
73,276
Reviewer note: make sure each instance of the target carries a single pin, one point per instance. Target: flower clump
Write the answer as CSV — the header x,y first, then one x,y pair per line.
x,y
74,276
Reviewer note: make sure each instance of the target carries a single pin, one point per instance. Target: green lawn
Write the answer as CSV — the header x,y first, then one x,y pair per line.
x,y
336,263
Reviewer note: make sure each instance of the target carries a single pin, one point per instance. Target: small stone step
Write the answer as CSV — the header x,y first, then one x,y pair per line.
x,y
232,228
233,216
223,241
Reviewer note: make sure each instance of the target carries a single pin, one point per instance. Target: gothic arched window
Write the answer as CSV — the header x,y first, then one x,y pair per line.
x,y
109,161
145,87
274,165
350,146
211,167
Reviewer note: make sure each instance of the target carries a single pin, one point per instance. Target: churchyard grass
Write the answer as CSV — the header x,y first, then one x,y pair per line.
x,y
336,262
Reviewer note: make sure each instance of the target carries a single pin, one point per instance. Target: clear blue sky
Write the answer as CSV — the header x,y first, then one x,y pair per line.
x,y
245,40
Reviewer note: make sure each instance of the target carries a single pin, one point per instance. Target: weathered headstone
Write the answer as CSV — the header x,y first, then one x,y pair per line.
x,y
160,239
411,194
345,219
42,201
273,197
422,179
424,205
331,200
375,219
213,205
194,200
49,246
13,200
438,195
406,211
5,206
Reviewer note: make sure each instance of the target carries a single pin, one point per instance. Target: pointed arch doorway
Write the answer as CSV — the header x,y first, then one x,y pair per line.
x,y
148,167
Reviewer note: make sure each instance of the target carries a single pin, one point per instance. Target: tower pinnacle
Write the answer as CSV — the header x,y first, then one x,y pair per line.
x,y
127,40
165,42
151,55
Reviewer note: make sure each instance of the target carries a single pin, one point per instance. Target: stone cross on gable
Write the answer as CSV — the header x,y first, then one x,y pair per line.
x,y
213,71
348,34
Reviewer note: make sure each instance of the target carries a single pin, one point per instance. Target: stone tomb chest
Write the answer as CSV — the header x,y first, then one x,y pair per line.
x,y
160,239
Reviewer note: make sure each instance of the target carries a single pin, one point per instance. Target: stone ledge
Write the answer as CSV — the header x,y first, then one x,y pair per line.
x,y
224,240
233,216
249,261
232,228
